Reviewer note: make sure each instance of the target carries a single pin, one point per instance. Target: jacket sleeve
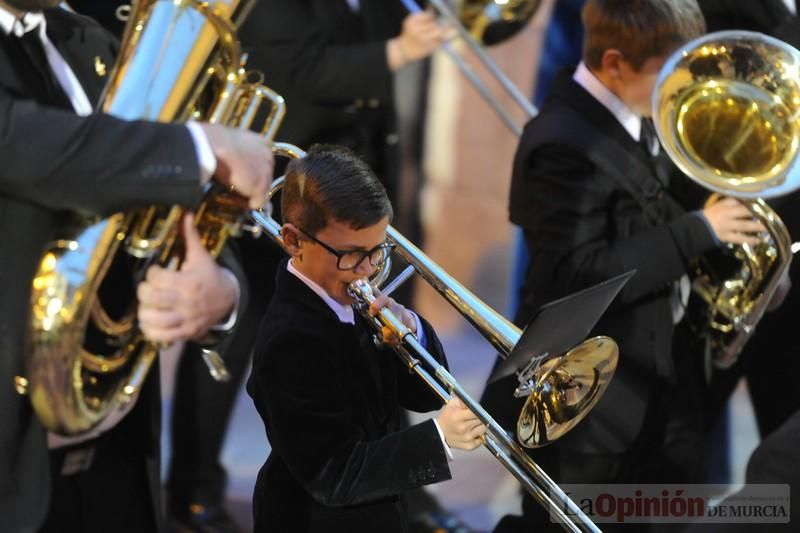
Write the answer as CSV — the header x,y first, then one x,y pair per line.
x,y
579,234
309,418
96,164
285,34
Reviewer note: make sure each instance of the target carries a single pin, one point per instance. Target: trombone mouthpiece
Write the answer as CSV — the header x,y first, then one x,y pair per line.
x,y
361,290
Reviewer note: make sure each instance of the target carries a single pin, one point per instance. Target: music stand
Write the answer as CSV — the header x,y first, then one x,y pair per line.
x,y
560,325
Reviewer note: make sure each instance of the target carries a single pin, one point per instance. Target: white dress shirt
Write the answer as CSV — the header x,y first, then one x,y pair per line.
x,y
790,4
346,315
625,115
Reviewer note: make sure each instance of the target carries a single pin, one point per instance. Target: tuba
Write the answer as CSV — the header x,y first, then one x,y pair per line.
x,y
179,60
726,107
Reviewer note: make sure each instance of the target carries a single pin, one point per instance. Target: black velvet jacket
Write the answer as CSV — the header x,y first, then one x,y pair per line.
x,y
331,403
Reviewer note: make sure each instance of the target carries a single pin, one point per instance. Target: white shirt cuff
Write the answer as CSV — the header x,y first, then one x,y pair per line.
x,y
228,324
205,155
447,450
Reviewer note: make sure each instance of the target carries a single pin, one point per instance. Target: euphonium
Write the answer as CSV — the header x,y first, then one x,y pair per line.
x,y
726,107
180,59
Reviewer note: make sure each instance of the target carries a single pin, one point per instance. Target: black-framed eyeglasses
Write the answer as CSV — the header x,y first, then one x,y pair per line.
x,y
351,259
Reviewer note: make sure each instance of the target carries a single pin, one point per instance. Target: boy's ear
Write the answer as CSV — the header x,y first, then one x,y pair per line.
x,y
611,63
291,239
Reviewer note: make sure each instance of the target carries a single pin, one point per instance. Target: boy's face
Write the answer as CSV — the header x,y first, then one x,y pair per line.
x,y
320,265
635,88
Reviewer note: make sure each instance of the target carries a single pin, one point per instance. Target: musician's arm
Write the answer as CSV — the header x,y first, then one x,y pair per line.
x,y
96,164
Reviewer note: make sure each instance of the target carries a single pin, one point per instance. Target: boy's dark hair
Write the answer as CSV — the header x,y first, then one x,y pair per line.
x,y
332,183
640,29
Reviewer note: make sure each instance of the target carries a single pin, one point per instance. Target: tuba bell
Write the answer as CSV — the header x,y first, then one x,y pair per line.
x,y
726,107
179,60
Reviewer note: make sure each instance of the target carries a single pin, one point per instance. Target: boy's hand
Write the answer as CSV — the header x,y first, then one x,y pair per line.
x,y
403,314
732,222
461,428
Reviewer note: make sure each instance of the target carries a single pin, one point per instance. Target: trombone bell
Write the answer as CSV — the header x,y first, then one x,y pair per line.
x,y
562,390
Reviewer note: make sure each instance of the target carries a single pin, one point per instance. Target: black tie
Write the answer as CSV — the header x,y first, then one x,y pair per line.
x,y
49,85
647,137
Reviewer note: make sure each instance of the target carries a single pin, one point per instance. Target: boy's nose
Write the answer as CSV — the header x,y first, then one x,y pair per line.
x,y
365,268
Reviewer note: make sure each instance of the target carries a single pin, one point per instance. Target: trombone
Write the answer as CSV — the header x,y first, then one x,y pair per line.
x,y
548,411
491,22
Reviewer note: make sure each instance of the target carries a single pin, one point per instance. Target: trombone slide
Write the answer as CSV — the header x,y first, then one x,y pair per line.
x,y
498,442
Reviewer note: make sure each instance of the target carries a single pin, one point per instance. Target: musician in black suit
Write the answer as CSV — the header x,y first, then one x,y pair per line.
x,y
593,201
330,399
333,61
55,164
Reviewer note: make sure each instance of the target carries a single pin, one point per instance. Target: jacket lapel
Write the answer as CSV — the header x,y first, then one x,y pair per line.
x,y
369,377
89,59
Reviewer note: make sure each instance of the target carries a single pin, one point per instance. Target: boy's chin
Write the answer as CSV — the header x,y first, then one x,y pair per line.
x,y
344,297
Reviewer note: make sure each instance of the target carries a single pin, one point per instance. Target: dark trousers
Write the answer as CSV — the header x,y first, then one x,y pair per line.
x,y
103,485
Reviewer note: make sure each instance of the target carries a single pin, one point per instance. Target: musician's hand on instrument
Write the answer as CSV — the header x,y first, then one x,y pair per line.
x,y
421,36
406,317
185,304
244,162
461,428
732,222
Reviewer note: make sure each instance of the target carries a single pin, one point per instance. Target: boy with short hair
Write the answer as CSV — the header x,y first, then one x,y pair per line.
x,y
591,191
330,399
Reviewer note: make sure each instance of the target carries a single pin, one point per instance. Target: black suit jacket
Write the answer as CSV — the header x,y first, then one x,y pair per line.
x,y
331,401
54,163
766,16
592,204
330,64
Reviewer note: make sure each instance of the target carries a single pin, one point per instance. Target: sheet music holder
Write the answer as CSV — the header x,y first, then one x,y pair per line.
x,y
560,325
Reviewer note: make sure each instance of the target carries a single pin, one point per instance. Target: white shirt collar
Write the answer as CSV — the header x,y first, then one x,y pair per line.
x,y
629,120
343,312
791,6
20,26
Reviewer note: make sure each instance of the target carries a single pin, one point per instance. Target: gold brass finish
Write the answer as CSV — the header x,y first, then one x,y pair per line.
x,y
21,385
179,59
735,304
480,22
566,388
490,22
726,107
727,110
